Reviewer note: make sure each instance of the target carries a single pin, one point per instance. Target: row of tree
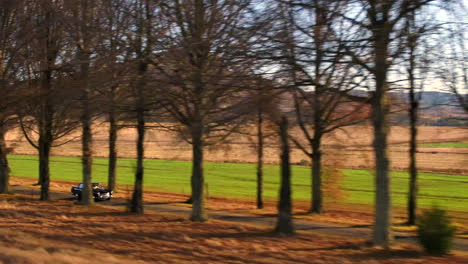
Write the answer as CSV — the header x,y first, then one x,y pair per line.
x,y
207,68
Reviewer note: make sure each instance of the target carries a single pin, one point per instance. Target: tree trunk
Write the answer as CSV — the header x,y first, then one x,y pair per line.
x,y
4,169
413,187
44,172
284,223
197,127
87,197
45,132
317,200
112,149
198,181
46,110
380,106
260,160
137,199
413,116
383,216
319,38
84,17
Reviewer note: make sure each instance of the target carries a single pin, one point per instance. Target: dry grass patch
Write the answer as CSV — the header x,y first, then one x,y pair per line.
x,y
350,147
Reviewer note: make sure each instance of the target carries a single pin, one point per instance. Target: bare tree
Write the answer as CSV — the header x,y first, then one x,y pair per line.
x,y
83,29
374,44
417,68
205,68
142,43
46,112
112,60
413,113
453,69
321,80
12,28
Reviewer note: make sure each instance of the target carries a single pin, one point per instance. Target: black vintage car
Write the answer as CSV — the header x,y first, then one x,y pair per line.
x,y
100,193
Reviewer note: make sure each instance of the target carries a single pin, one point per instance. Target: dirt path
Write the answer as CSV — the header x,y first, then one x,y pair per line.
x,y
359,231
348,231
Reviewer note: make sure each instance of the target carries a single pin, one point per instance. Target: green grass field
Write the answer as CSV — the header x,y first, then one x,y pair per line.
x,y
446,145
238,180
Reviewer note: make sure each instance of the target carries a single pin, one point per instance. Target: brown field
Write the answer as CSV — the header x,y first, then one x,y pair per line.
x,y
62,232
346,148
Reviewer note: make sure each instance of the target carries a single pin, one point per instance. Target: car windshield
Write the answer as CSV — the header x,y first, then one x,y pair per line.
x,y
96,185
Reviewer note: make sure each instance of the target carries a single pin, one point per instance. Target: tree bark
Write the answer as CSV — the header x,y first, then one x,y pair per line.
x,y
383,216
144,52
114,43
45,138
4,169
413,117
284,223
84,54
317,200
44,171
137,199
87,197
413,187
260,159
45,126
380,106
319,38
112,147
198,180
197,127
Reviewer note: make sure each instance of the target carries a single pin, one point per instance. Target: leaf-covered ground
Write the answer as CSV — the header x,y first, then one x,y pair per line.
x,y
63,232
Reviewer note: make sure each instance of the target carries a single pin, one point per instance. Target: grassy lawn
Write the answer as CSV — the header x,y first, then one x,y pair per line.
x,y
238,180
446,145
